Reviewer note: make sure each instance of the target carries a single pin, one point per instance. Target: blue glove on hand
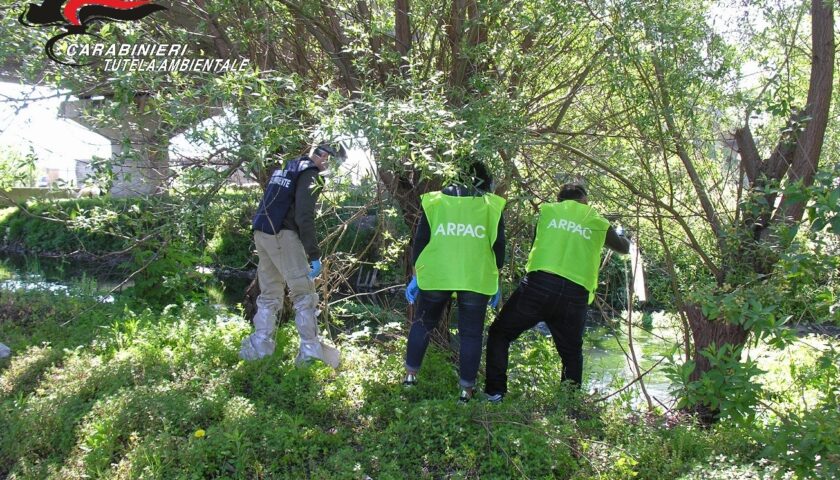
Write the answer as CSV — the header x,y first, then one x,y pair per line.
x,y
315,269
411,290
494,300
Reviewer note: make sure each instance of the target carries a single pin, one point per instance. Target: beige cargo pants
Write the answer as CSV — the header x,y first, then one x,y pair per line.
x,y
282,263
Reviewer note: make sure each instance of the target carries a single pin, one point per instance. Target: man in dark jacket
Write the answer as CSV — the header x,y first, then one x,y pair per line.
x,y
560,284
284,234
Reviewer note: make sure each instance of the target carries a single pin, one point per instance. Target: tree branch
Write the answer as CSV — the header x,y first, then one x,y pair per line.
x,y
700,190
750,158
635,190
809,145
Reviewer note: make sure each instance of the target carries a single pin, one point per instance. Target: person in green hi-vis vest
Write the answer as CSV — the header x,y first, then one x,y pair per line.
x,y
558,288
459,247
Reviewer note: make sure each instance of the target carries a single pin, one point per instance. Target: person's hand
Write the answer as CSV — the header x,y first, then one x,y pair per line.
x,y
314,269
494,300
411,290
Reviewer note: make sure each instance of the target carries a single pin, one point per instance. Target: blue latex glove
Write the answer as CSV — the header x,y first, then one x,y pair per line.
x,y
315,269
411,290
494,300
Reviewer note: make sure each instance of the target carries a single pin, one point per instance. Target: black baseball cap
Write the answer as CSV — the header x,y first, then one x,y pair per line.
x,y
325,148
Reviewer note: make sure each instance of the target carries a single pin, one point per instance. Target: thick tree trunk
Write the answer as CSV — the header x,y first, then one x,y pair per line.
x,y
706,333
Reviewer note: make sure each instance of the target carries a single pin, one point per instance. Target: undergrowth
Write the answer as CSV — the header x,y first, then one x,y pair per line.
x,y
98,390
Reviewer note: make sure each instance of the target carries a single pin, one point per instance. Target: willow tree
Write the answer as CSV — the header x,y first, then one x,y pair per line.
x,y
673,134
424,82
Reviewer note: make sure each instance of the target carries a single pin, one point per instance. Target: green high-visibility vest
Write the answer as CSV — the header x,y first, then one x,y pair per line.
x,y
568,243
459,255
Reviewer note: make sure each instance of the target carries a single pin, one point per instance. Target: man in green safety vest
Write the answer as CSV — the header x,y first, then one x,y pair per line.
x,y
560,284
459,247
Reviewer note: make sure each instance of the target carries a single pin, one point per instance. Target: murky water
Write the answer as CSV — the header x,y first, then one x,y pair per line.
x,y
20,272
56,274
608,364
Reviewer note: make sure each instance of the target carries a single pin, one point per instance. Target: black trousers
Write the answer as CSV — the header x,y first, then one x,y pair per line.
x,y
545,297
472,307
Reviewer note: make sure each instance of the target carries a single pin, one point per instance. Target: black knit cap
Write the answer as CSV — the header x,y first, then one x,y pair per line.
x,y
481,177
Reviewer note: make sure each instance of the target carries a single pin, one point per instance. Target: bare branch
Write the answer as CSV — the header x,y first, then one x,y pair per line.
x,y
682,153
635,190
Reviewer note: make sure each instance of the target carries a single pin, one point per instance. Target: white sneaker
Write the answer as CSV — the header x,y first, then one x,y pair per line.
x,y
495,398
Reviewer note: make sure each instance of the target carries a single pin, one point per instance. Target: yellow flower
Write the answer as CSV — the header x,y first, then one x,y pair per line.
x,y
199,433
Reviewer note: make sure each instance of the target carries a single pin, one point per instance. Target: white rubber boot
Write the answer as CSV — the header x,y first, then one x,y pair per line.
x,y
311,345
261,343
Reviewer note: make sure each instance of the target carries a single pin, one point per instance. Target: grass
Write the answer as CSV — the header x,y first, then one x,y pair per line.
x,y
162,394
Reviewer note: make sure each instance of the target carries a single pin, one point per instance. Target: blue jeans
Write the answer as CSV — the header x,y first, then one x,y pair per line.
x,y
472,307
546,297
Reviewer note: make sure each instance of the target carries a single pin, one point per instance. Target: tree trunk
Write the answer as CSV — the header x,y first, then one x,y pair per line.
x,y
708,333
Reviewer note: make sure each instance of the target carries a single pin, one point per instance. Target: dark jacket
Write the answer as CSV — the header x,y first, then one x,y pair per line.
x,y
294,202
301,217
616,242
424,231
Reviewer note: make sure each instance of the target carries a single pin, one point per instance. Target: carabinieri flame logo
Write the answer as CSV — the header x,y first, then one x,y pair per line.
x,y
77,15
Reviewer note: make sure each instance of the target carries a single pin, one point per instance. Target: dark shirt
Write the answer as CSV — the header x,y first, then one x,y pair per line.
x,y
301,215
424,230
616,242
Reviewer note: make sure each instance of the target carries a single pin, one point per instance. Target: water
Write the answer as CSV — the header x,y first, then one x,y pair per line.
x,y
607,365
21,272
96,279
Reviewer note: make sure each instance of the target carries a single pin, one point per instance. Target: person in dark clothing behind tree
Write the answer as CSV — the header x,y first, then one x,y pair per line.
x,y
560,284
284,233
459,247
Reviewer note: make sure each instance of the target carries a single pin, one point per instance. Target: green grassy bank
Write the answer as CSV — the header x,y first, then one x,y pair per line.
x,y
102,391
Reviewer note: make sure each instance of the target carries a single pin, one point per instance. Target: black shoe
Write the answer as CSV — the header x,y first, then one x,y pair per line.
x,y
410,380
466,394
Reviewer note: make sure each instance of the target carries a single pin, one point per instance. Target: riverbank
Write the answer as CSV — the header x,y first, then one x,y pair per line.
x,y
17,195
117,230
